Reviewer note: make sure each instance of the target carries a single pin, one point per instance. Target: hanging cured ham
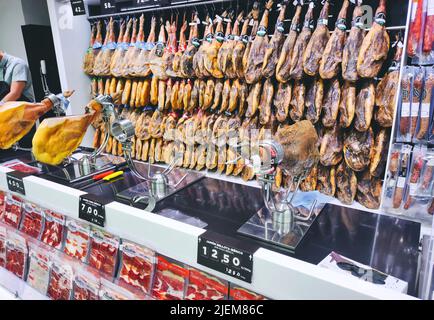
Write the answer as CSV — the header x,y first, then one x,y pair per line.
x,y
296,71
199,57
156,61
134,50
331,147
266,102
386,92
89,57
331,101
118,56
352,46
314,99
273,48
365,106
176,64
317,43
171,50
17,118
222,56
141,66
253,99
186,63
211,52
347,106
369,191
254,31
346,182
239,48
297,101
358,148
283,66
282,100
102,61
135,59
375,46
57,138
257,52
331,60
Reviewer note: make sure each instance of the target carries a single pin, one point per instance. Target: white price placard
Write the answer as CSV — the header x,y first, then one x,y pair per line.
x,y
424,112
401,182
405,109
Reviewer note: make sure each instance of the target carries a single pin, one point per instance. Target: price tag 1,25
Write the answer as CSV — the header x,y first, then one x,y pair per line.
x,y
226,255
92,209
15,181
108,6
78,8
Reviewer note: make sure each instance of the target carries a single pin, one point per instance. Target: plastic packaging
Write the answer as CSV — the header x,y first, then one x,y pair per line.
x,y
405,104
426,183
54,229
39,266
2,204
170,280
416,99
111,291
202,286
86,283
77,239
61,278
103,251
16,254
402,176
426,111
33,220
2,245
13,211
18,165
137,266
419,153
239,293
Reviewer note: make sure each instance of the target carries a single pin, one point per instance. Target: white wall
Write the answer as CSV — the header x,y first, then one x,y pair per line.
x,y
71,40
11,20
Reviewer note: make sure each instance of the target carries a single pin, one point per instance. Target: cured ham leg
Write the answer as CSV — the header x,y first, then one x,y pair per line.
x,y
257,52
375,46
273,48
332,57
17,118
315,48
296,71
186,61
352,47
284,63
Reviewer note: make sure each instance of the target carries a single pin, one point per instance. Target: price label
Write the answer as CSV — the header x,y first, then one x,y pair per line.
x,y
92,209
15,181
108,6
78,8
226,255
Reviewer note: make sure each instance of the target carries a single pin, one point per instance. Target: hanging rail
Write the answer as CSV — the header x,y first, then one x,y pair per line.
x,y
183,4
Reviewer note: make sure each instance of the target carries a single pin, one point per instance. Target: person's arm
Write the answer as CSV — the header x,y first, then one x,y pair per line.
x,y
17,88
20,76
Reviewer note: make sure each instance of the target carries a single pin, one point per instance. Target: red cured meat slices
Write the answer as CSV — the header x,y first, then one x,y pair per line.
x,y
202,286
39,267
60,284
111,291
54,228
16,254
238,293
77,240
2,246
103,251
86,286
13,211
170,280
137,267
32,220
2,204
20,166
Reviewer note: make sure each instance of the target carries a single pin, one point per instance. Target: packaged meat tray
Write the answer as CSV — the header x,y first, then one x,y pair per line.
x,y
39,266
136,267
20,166
170,280
77,239
13,211
61,278
16,254
202,286
33,220
111,291
103,251
86,284
2,205
2,245
239,293
54,229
